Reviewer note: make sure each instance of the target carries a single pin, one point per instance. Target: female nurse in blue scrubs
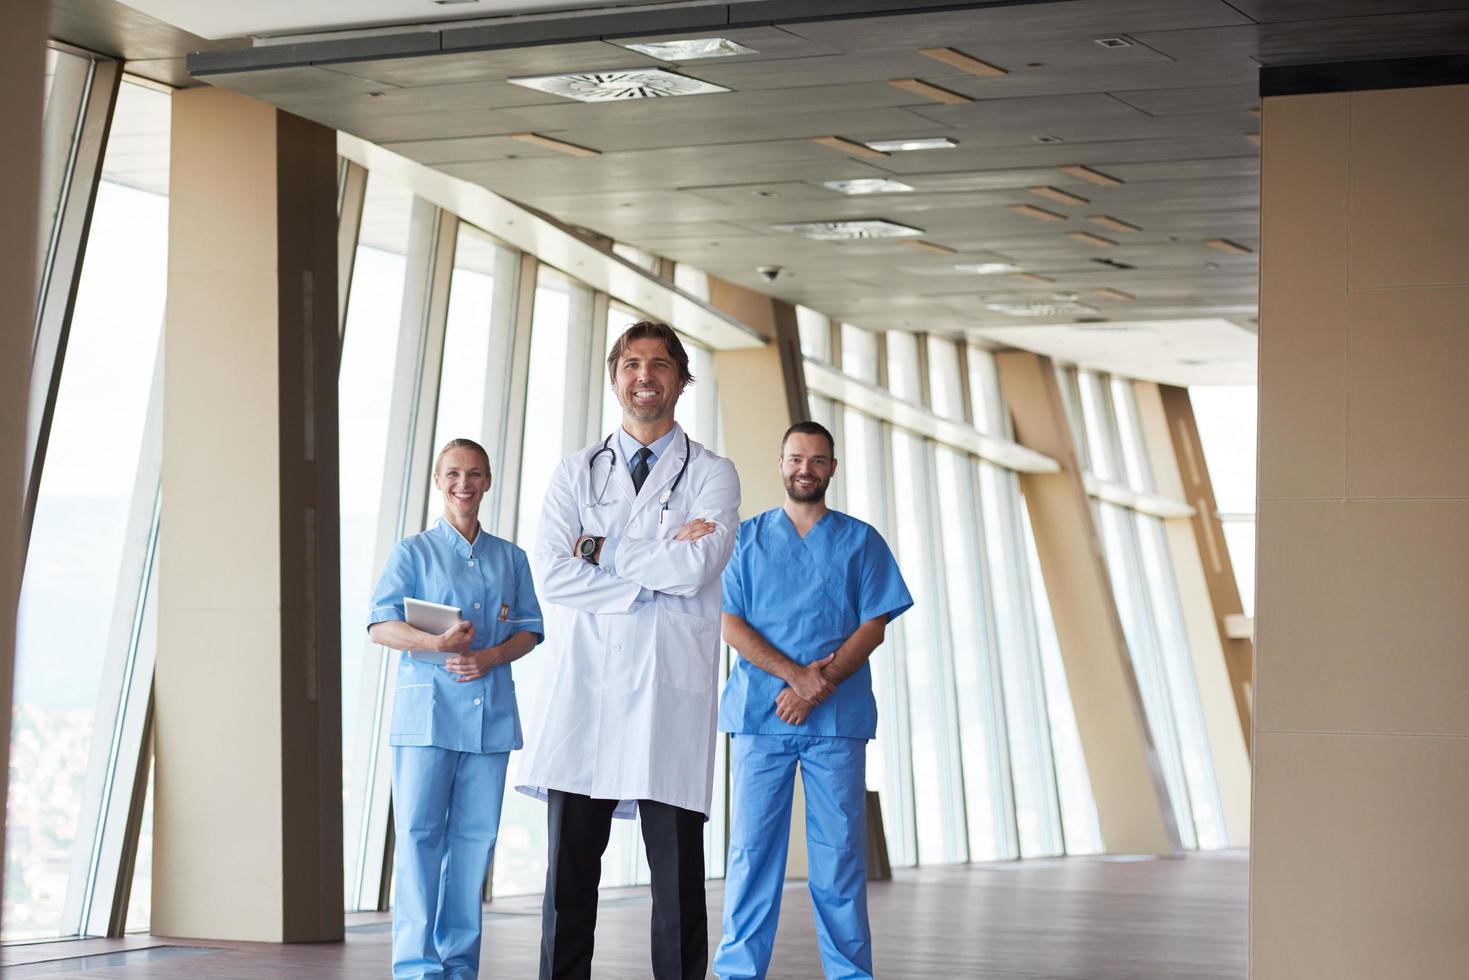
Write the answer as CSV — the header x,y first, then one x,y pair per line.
x,y
454,725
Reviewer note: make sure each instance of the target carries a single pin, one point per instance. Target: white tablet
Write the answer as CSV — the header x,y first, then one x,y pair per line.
x,y
431,617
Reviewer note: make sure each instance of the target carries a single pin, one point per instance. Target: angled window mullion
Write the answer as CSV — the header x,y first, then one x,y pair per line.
x,y
506,501
351,198
507,357
61,271
596,379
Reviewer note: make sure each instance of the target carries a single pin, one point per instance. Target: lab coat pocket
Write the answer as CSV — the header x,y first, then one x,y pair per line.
x,y
413,706
688,651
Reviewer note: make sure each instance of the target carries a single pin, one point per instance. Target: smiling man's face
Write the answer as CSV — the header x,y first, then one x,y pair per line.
x,y
647,383
806,467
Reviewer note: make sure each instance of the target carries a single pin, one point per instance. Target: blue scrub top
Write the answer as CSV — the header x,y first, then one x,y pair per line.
x,y
805,596
490,583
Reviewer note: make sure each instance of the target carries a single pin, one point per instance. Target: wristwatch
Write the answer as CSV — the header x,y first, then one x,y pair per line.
x,y
587,546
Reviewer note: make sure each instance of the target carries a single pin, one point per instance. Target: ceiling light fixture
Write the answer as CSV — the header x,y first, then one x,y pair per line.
x,y
1058,195
1107,292
963,62
1047,138
1088,238
927,91
1225,245
1040,214
836,231
1031,277
932,248
848,146
1058,308
690,49
1114,264
986,268
617,85
1115,224
867,185
547,143
905,146
1088,174
1113,42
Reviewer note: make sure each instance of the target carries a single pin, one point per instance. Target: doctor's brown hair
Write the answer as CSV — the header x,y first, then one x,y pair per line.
x,y
463,444
648,329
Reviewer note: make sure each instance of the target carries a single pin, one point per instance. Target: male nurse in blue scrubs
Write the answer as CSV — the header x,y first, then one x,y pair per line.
x,y
453,725
807,598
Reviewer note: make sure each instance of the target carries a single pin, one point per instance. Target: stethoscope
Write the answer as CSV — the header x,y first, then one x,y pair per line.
x,y
663,498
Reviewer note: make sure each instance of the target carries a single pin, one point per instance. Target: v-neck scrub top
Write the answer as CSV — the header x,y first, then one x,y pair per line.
x,y
805,596
489,581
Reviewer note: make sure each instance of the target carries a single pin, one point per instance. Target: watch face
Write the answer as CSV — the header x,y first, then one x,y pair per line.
x,y
588,545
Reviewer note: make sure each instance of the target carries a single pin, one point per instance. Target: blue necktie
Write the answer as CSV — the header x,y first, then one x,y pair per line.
x,y
640,467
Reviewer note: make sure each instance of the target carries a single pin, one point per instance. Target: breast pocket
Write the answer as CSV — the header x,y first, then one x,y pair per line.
x,y
688,651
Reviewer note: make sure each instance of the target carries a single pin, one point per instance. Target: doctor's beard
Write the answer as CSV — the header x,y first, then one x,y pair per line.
x,y
646,413
817,491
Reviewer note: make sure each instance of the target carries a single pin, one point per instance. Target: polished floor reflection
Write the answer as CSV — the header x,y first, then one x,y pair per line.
x,y
1070,919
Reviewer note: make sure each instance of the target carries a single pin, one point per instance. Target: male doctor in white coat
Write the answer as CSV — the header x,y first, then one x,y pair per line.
x,y
637,528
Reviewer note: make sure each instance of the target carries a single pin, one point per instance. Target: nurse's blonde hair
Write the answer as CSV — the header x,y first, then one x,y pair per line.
x,y
463,444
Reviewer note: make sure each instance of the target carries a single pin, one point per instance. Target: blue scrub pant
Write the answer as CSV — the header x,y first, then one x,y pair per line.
x,y
446,815
834,775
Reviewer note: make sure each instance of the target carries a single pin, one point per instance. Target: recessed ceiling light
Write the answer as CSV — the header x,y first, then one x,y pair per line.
x,y
986,268
1047,138
1113,42
1031,277
904,146
1116,224
835,231
1114,264
618,85
867,185
1058,308
560,146
691,49
1107,292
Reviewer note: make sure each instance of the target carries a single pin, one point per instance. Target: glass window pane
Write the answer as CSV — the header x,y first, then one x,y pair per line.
x,y
981,741
904,380
986,401
693,281
859,353
936,779
815,331
1036,812
140,895
945,389
73,566
67,75
1097,423
463,380
1130,436
364,399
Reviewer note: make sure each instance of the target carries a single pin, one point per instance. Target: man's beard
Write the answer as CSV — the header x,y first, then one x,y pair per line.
x,y
815,493
643,413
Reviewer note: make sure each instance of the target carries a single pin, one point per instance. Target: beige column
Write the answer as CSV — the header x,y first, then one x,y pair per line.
x,y
1127,782
248,809
762,391
1362,681
22,74
1207,593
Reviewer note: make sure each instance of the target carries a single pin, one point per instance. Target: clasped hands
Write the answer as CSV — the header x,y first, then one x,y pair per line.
x,y
807,687
467,663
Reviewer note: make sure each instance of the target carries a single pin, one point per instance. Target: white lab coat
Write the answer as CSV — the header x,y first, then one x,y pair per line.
x,y
628,709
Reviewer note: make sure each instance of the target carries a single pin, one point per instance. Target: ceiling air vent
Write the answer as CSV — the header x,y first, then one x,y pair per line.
x,y
616,86
690,49
836,231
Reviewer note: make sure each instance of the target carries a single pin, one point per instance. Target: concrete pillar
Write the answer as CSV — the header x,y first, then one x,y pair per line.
x,y
1361,716
248,809
22,75
1133,808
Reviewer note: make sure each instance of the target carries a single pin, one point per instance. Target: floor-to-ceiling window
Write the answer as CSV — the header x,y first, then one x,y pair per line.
x,y
83,627
1226,419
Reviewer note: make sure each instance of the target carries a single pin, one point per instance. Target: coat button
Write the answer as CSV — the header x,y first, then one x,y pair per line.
x,y
476,605
477,700
471,564
616,647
